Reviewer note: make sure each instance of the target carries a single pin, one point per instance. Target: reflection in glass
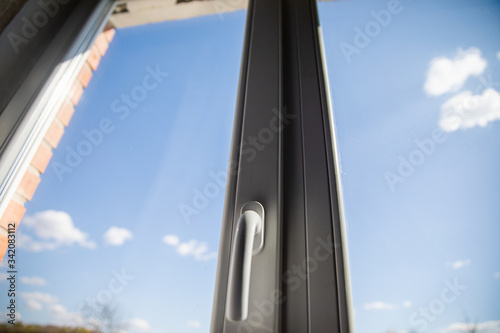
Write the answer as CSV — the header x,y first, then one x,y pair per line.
x,y
123,232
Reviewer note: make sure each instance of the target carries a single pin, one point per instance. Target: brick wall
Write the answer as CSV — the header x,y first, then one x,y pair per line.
x,y
27,187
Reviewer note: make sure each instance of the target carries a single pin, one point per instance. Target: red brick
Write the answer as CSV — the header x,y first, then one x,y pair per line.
x,y
65,112
102,44
54,134
3,246
42,158
94,58
109,34
28,184
85,75
76,92
13,214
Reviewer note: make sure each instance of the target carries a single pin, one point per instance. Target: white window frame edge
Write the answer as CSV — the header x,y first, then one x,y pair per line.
x,y
338,176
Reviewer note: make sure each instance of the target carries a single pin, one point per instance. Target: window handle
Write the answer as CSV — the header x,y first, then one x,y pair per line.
x,y
248,241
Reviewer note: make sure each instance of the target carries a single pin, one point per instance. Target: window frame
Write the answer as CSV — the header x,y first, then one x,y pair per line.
x,y
309,180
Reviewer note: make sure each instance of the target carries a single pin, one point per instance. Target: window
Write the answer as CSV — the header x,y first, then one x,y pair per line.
x,y
415,94
398,134
123,231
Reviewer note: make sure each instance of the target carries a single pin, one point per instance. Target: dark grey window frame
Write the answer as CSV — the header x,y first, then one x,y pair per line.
x,y
301,186
295,176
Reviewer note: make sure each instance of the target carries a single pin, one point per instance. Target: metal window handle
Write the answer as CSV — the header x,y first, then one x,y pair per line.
x,y
248,241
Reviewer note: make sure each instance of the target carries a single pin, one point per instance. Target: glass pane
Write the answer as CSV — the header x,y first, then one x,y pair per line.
x,y
415,88
123,232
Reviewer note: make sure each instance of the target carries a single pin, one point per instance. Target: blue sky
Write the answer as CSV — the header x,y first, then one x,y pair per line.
x,y
131,207
441,222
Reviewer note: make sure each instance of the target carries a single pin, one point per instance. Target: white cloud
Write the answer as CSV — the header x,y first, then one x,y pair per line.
x,y
41,297
199,250
497,275
61,316
117,236
34,280
406,304
35,300
498,55
54,228
448,75
465,110
34,305
26,242
380,306
193,324
171,240
484,327
138,324
458,264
